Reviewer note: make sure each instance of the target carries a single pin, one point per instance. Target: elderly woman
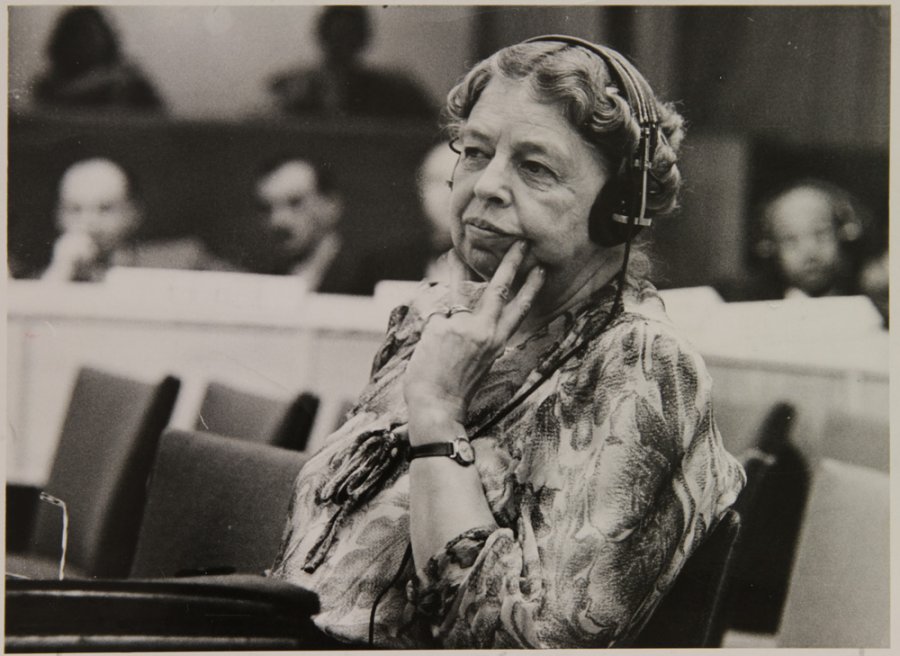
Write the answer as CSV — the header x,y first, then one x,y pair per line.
x,y
535,434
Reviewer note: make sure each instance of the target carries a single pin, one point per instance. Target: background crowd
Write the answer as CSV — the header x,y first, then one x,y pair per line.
x,y
805,200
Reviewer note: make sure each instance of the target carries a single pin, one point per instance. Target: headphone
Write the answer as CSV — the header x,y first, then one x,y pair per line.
x,y
620,210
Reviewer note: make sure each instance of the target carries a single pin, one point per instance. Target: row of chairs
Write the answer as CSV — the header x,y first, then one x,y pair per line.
x,y
210,500
106,449
801,560
812,568
216,506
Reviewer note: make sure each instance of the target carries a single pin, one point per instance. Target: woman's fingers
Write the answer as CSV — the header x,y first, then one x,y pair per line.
x,y
499,291
504,304
519,307
457,274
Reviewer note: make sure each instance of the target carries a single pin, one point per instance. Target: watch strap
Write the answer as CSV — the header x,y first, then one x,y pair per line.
x,y
431,449
459,450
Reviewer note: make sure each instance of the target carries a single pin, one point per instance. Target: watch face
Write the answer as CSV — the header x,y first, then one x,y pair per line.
x,y
465,454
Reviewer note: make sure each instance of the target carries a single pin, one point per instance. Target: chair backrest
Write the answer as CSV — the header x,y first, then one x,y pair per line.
x,y
771,507
214,504
839,594
772,438
231,412
690,615
105,452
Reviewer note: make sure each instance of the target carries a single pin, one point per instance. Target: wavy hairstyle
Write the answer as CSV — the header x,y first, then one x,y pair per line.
x,y
579,82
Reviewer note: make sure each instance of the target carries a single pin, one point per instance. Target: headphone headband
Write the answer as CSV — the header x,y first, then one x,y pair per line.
x,y
639,98
627,77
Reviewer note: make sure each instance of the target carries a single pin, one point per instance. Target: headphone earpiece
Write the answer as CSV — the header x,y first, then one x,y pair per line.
x,y
602,229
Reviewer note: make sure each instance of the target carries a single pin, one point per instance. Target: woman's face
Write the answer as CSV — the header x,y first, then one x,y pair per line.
x,y
525,174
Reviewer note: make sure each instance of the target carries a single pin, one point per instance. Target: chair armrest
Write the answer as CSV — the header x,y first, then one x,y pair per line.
x,y
21,509
219,612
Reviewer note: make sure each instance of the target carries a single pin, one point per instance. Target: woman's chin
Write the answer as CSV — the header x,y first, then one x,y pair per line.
x,y
481,263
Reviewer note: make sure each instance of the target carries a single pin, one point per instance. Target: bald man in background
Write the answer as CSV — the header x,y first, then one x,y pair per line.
x,y
433,181
98,216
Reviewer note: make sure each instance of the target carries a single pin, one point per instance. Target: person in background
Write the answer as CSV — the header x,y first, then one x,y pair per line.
x,y
434,179
874,282
812,233
87,68
412,257
343,85
298,232
535,455
299,214
99,214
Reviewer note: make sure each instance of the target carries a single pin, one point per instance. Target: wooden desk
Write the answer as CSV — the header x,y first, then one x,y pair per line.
x,y
263,335
317,342
828,357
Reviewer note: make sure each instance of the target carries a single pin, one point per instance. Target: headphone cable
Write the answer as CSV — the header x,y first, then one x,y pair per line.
x,y
616,309
407,555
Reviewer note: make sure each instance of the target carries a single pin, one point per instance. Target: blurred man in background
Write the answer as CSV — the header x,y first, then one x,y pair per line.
x,y
99,214
812,244
343,85
810,230
300,212
434,179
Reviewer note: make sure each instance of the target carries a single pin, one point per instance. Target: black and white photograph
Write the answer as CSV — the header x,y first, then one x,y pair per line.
x,y
426,327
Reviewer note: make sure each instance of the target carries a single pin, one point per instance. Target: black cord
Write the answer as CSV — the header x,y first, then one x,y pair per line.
x,y
406,556
614,312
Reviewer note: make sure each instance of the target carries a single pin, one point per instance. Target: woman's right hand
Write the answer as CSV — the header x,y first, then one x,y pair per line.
x,y
456,350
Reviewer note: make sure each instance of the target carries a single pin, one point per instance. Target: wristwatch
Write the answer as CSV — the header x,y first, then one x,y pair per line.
x,y
459,450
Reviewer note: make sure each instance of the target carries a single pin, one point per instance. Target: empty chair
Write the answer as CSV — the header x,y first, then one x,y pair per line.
x,y
771,507
691,613
839,594
236,413
861,440
108,441
215,505
772,438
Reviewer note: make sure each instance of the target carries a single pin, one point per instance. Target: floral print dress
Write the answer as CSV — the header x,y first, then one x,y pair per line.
x,y
603,478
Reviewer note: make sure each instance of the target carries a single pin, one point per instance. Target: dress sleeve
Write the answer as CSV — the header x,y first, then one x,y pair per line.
x,y
622,473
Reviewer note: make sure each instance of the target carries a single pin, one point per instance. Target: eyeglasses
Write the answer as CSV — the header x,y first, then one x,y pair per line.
x,y
49,498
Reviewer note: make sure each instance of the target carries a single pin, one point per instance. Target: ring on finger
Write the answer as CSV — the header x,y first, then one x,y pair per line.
x,y
457,309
